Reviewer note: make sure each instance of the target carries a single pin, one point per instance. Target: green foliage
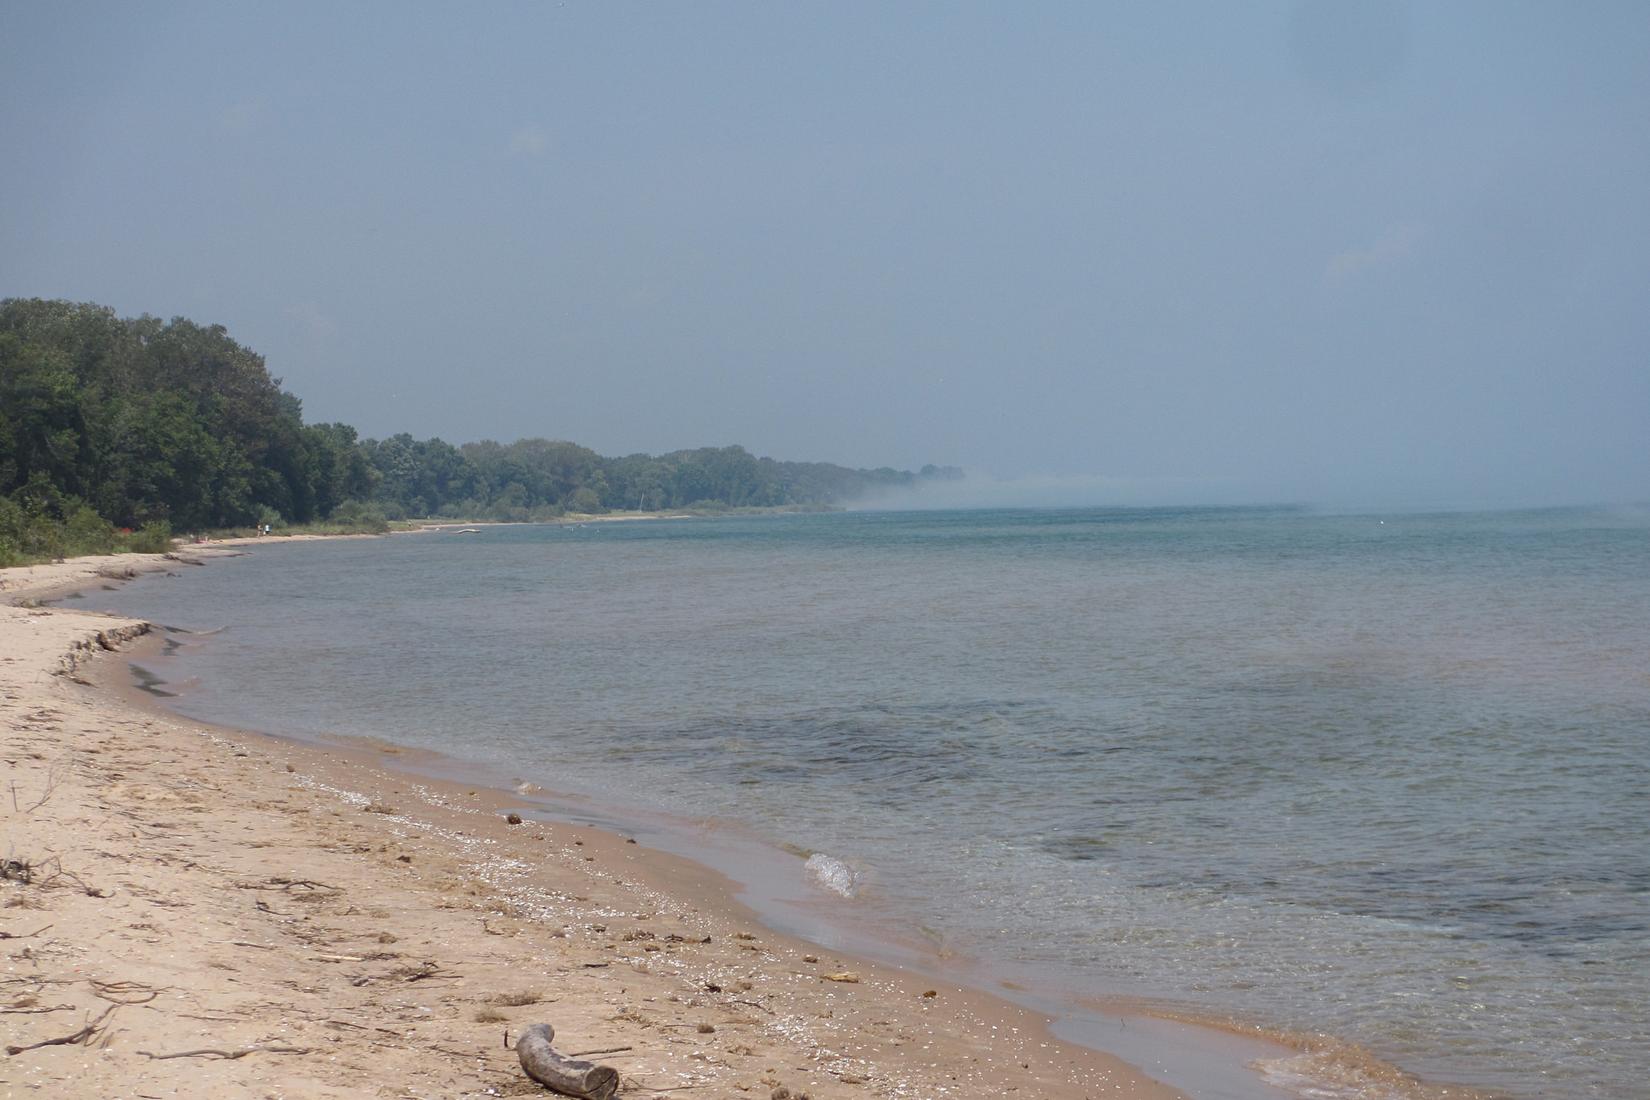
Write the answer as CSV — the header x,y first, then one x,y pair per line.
x,y
86,532
172,425
154,537
354,516
13,523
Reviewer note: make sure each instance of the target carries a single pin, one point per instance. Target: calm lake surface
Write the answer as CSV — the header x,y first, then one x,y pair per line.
x,y
1382,776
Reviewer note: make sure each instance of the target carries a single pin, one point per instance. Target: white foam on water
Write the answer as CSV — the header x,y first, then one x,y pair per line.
x,y
830,873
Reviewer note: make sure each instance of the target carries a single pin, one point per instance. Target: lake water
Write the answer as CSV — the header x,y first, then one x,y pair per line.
x,y
1386,777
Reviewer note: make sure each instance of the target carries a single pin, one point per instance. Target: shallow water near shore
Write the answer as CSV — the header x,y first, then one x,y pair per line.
x,y
1376,776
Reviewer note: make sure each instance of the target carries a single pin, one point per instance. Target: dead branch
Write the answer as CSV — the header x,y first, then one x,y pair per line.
x,y
307,884
420,973
54,777
124,993
561,1073
81,884
22,935
634,1083
84,1035
604,1050
214,1052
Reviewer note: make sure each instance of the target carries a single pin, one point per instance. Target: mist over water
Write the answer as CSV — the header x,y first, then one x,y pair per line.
x,y
1380,776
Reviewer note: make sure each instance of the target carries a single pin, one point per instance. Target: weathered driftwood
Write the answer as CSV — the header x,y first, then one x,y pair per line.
x,y
568,1076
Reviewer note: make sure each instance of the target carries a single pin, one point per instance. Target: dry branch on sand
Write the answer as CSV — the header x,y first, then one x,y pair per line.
x,y
568,1076
85,1035
230,1055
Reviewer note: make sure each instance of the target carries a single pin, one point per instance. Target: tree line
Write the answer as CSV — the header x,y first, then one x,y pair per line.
x,y
138,423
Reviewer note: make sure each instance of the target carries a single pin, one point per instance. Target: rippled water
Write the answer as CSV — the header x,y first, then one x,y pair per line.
x,y
1384,776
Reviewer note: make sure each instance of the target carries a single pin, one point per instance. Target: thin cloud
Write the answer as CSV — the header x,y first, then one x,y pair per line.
x,y
312,321
529,141
980,490
1395,245
241,118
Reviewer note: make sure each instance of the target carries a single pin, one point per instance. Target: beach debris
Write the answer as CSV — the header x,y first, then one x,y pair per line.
x,y
230,1055
848,977
290,884
86,1034
4,935
513,818
123,992
568,1076
517,999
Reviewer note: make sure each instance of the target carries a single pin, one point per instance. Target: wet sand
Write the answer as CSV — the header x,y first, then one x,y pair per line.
x,y
221,913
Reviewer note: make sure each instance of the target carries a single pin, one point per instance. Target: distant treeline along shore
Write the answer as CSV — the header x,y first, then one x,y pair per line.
x,y
110,423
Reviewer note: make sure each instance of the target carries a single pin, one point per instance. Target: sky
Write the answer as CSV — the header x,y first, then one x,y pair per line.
x,y
1347,252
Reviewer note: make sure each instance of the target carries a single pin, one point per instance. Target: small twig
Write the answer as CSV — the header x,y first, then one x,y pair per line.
x,y
308,884
85,1034
23,935
633,1083
604,1050
753,1004
214,1052
88,890
124,993
54,776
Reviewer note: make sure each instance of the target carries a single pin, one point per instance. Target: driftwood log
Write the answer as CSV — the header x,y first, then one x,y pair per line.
x,y
568,1076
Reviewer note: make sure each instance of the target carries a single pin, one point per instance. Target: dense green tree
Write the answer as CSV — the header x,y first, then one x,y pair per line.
x,y
148,422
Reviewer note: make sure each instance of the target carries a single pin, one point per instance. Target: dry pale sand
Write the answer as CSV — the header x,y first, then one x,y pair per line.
x,y
201,912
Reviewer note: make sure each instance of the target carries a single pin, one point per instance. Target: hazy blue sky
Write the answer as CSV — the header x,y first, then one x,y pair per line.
x,y
1350,252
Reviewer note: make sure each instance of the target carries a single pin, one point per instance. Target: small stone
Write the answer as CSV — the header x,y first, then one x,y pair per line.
x,y
513,818
810,958
706,1029
930,993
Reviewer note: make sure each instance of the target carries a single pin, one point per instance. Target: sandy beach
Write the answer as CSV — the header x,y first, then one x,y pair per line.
x,y
193,911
